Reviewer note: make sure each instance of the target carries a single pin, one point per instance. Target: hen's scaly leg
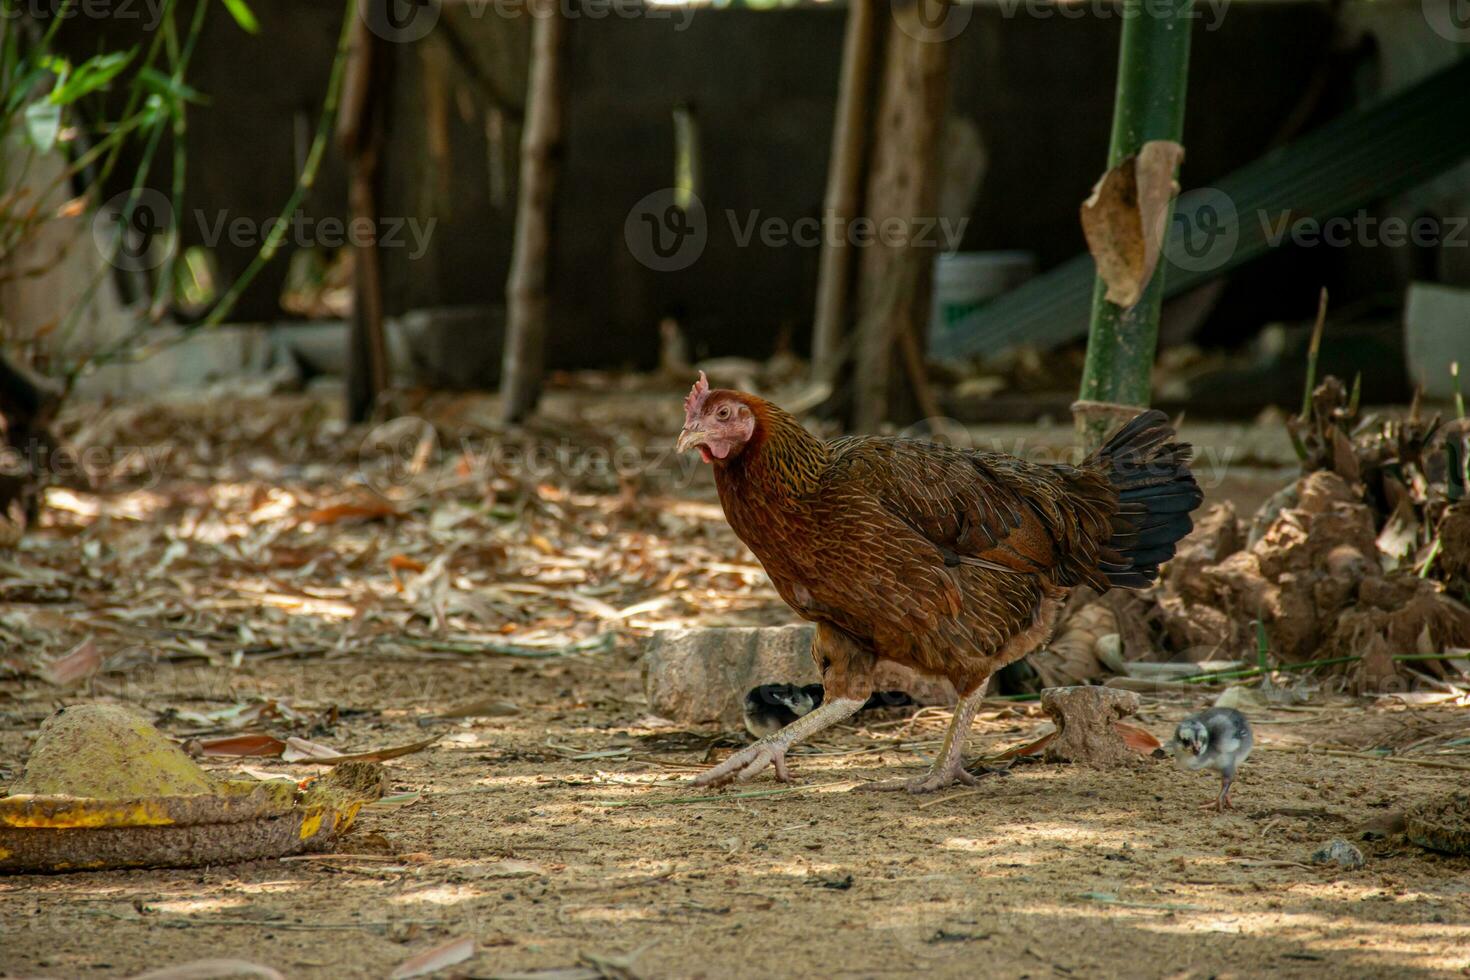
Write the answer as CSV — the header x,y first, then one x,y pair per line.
x,y
771,750
949,764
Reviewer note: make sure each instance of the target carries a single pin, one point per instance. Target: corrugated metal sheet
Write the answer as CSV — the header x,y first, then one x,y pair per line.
x,y
1364,156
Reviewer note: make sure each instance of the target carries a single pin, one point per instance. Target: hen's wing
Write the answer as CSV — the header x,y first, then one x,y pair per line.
x,y
940,550
988,510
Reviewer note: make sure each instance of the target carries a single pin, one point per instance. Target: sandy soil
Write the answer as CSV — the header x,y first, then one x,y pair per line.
x,y
563,836
546,858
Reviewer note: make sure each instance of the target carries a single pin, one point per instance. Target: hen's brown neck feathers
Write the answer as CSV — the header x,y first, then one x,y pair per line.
x,y
781,455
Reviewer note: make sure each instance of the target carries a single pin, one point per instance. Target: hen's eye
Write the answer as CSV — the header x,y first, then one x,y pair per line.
x,y
723,413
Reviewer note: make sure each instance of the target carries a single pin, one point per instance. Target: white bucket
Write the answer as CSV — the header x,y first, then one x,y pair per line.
x,y
965,281
1436,334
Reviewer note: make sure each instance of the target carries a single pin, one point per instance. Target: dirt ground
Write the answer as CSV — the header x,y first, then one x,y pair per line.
x,y
560,833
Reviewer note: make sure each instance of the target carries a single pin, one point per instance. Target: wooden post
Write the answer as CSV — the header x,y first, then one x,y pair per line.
x,y
844,186
525,290
1153,75
903,186
360,129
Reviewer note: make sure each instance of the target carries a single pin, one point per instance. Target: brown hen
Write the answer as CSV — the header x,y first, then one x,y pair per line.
x,y
951,561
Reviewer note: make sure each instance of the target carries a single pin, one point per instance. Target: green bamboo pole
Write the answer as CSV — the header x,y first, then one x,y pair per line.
x,y
1153,74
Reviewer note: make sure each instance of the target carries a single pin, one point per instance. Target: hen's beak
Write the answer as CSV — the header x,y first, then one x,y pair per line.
x,y
690,438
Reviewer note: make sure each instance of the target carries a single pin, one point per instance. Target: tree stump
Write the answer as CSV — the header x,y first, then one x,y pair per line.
x,y
1084,718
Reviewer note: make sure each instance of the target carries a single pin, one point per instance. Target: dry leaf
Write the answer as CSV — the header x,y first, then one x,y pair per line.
x,y
447,954
479,708
1345,457
510,868
300,750
211,970
350,512
1030,748
1140,740
239,746
403,563
1399,539
77,664
1124,219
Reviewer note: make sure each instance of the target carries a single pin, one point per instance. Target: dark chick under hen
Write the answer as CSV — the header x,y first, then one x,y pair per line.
x,y
950,561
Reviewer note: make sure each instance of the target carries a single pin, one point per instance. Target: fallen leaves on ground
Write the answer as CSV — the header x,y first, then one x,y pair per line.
x,y
430,960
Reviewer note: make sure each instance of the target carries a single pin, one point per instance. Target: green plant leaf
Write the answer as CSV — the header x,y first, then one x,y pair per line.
x,y
91,75
240,10
171,91
43,124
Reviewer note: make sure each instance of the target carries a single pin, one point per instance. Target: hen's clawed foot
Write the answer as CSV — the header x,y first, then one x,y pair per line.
x,y
748,762
934,780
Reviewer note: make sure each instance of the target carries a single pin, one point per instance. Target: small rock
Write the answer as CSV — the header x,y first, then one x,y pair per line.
x,y
1085,731
1339,852
108,752
1240,697
701,676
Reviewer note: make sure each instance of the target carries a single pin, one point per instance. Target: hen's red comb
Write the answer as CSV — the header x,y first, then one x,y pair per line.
x,y
697,395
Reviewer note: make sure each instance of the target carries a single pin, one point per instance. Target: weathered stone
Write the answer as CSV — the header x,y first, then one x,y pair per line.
x,y
1340,853
1084,718
701,676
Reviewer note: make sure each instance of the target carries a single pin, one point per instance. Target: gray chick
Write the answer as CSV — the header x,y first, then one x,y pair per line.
x,y
1219,738
771,707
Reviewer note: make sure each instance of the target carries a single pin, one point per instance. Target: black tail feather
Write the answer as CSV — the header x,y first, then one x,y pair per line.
x,y
1156,493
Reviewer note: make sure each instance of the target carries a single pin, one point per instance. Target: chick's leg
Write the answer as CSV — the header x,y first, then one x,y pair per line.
x,y
771,750
1227,779
949,764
